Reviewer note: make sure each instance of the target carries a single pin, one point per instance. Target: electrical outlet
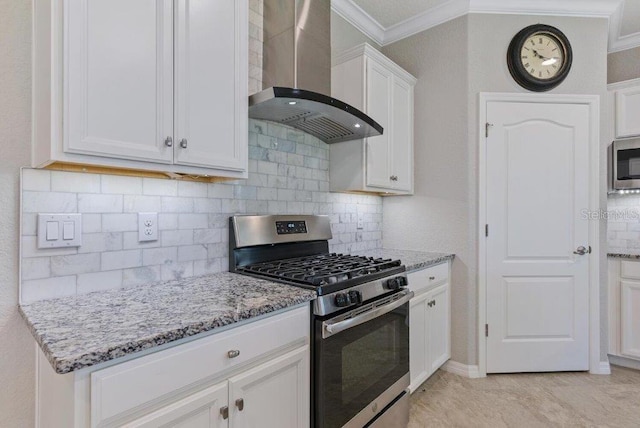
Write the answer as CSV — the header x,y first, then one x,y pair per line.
x,y
147,227
360,225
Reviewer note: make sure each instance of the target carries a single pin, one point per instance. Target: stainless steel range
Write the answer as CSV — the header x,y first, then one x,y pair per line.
x,y
360,321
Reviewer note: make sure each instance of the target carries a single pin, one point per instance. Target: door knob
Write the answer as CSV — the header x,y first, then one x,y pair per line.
x,y
581,250
240,404
183,143
168,141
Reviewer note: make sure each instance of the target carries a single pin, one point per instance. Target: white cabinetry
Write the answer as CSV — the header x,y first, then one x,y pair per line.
x,y
256,374
369,81
157,85
430,322
627,108
624,308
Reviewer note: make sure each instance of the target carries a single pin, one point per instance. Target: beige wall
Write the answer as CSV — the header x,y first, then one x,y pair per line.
x,y
624,65
436,218
345,36
454,62
17,347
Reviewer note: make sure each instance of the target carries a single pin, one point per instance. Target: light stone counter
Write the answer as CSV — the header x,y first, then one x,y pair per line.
x,y
80,331
413,260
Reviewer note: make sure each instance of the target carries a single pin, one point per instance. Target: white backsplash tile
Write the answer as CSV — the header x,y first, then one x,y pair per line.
x,y
289,176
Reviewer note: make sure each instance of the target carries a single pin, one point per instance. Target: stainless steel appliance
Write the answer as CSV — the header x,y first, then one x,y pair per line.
x,y
360,321
297,74
625,166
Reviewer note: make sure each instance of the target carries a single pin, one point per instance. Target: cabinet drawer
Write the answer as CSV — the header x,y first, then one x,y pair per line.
x,y
129,385
427,278
630,269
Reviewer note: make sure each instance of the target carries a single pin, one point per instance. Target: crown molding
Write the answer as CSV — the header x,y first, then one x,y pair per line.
x,y
611,9
616,41
360,19
425,20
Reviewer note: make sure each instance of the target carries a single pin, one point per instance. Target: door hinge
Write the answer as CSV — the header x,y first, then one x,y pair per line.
x,y
486,330
486,230
486,129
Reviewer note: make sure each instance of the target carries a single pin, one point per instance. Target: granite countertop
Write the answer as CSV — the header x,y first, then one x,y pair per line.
x,y
413,260
80,331
624,255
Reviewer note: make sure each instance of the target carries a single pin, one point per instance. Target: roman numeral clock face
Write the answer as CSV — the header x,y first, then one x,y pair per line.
x,y
539,57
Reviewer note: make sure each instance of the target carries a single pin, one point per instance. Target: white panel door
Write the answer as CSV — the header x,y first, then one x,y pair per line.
x,y
439,327
200,410
272,395
402,140
211,83
119,78
379,82
630,318
419,366
537,189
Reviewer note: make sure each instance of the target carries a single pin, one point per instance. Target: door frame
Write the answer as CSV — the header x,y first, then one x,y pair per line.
x,y
592,101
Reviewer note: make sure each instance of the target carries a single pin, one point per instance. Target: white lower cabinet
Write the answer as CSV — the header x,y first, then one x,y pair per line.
x,y
254,375
624,308
430,322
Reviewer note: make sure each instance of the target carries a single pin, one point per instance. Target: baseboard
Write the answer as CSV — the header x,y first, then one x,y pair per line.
x,y
603,368
624,362
461,369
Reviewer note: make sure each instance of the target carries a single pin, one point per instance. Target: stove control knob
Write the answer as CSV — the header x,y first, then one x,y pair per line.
x,y
403,281
341,300
394,283
355,296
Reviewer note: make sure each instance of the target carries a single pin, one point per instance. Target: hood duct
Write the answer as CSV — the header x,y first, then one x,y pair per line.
x,y
297,73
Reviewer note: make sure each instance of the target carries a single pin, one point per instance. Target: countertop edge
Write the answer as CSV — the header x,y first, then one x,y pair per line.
x,y
623,256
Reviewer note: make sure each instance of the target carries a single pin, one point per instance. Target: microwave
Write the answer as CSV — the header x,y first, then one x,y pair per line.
x,y
625,164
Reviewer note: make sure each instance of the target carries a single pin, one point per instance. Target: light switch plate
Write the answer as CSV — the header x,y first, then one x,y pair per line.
x,y
60,226
147,227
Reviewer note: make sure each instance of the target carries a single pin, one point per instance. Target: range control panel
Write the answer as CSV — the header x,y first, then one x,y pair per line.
x,y
291,227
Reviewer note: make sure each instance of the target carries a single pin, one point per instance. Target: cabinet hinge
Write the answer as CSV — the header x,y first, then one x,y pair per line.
x,y
486,230
486,129
486,330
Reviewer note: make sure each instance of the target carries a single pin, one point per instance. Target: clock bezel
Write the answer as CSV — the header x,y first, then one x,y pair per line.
x,y
514,60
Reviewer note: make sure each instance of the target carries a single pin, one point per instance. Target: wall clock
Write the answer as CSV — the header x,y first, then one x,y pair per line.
x,y
539,57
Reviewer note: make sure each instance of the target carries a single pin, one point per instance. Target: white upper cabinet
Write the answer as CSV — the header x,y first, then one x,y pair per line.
x,y
627,110
371,82
157,85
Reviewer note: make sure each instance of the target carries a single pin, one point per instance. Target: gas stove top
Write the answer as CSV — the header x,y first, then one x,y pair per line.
x,y
322,270
294,249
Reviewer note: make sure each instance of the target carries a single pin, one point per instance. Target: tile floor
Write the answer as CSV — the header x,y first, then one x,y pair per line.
x,y
529,400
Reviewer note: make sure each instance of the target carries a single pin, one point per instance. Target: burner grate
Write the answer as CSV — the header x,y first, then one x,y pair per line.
x,y
321,269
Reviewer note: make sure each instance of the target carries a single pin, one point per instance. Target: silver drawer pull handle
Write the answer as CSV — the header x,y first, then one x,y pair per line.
x,y
431,278
233,353
224,411
183,143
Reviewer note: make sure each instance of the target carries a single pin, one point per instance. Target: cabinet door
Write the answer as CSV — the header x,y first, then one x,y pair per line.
x,y
627,112
630,318
379,82
211,83
439,329
401,143
118,67
418,346
200,410
272,395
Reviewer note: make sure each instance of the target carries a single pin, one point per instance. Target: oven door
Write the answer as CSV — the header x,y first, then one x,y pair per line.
x,y
361,361
626,164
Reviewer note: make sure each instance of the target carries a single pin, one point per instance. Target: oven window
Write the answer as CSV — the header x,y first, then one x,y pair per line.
x,y
368,360
628,164
353,367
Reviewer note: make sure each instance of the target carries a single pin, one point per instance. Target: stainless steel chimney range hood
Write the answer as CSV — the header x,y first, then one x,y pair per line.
x,y
297,54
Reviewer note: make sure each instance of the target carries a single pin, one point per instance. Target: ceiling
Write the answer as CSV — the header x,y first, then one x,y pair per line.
x,y
387,21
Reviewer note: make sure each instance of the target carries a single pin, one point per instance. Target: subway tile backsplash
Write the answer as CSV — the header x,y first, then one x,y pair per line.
x,y
288,174
623,224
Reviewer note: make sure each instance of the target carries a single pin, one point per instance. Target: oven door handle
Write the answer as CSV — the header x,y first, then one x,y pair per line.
x,y
329,328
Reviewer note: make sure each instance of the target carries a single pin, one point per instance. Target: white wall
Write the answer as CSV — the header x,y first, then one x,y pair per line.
x,y
345,36
454,62
624,65
17,357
